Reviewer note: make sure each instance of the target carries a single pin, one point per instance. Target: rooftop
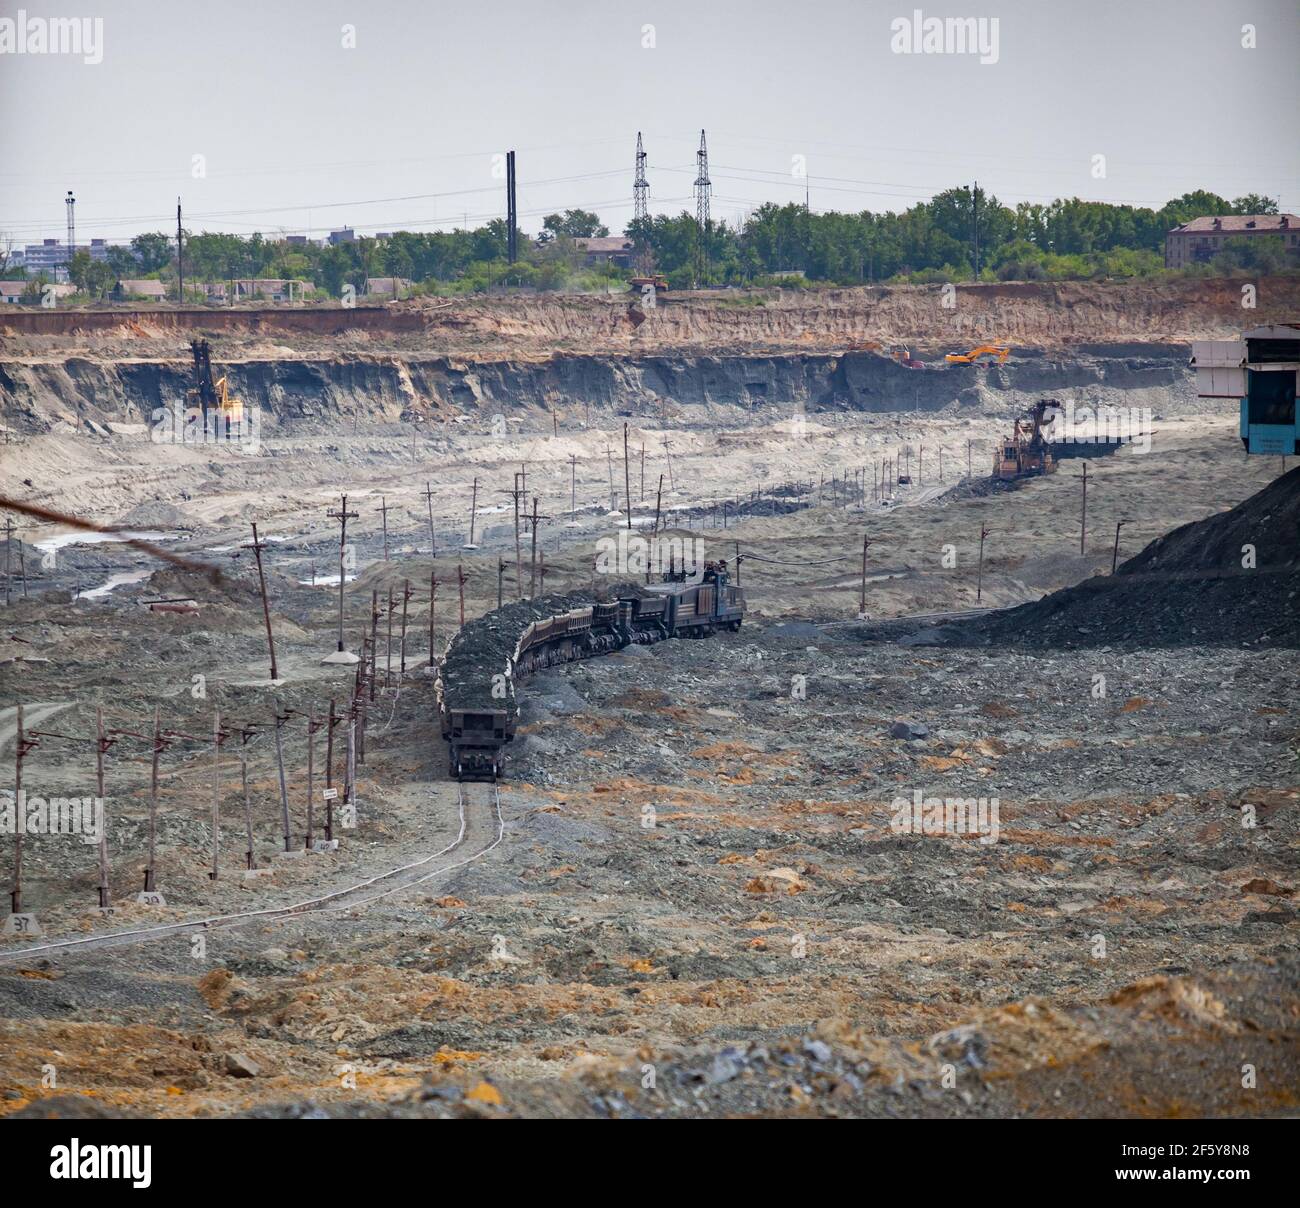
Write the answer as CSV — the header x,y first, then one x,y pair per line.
x,y
1239,223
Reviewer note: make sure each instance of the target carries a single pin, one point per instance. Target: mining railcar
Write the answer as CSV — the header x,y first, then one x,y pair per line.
x,y
476,732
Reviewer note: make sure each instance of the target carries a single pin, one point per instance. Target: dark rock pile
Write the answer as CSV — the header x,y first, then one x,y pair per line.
x,y
1230,579
482,648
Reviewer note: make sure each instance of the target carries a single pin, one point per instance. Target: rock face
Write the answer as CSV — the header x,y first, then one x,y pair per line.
x,y
289,393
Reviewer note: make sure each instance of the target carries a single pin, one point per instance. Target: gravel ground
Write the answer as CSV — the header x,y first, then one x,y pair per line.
x,y
702,884
707,881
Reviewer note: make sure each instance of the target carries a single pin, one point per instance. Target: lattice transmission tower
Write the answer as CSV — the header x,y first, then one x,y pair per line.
x,y
641,208
703,186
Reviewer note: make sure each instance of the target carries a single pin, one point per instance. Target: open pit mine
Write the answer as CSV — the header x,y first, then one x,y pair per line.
x,y
522,707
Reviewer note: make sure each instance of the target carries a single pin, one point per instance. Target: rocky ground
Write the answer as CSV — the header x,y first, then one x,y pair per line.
x,y
704,884
704,899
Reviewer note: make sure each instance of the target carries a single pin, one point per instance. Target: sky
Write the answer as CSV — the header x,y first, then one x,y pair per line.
x,y
296,131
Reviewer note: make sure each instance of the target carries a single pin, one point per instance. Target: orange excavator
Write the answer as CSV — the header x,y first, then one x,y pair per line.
x,y
1000,351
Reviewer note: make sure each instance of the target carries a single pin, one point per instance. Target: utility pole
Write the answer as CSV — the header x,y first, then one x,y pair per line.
x,y
22,744
532,570
433,599
512,216
515,495
460,582
501,576
1114,557
433,541
250,858
9,537
310,836
374,639
979,581
329,773
1083,514
150,869
101,746
280,719
406,597
257,547
384,510
71,203
627,480
217,736
342,516
862,599
975,204
388,658
668,457
473,508
180,257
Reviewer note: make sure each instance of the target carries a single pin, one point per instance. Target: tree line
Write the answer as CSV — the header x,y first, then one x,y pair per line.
x,y
958,235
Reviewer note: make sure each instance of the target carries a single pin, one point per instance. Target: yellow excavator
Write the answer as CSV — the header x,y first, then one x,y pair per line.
x,y
1000,351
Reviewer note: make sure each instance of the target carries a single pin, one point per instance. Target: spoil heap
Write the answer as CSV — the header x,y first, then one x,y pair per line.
x,y
1230,579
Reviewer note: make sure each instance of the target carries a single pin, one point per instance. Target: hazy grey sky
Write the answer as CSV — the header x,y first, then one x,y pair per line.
x,y
301,133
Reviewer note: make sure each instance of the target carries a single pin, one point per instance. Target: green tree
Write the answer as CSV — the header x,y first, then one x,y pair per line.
x,y
1255,203
79,271
576,224
153,251
1264,254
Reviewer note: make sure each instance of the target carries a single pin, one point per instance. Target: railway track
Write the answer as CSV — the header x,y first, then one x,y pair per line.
x,y
475,828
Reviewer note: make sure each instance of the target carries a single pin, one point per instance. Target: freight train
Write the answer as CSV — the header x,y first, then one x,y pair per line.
x,y
476,699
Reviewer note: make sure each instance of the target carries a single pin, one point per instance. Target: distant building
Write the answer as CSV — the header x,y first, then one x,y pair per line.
x,y
606,249
155,291
296,240
391,287
1199,241
12,291
346,235
52,254
266,289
